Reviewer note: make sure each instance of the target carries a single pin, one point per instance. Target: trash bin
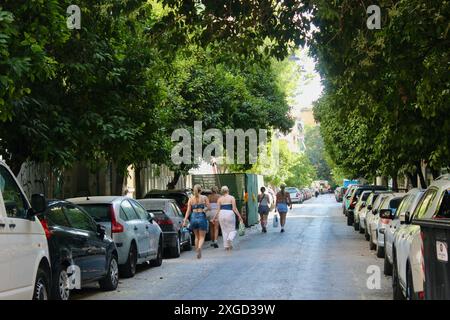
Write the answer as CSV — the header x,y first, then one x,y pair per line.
x,y
436,239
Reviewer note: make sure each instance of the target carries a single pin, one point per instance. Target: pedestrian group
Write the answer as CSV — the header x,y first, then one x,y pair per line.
x,y
220,210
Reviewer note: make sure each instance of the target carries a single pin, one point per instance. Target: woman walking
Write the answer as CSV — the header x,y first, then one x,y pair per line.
x,y
263,208
198,204
213,225
226,212
283,201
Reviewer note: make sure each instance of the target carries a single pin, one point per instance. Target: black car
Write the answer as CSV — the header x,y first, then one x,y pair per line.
x,y
180,196
77,244
170,219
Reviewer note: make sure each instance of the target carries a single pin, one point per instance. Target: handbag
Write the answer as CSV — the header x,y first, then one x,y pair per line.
x,y
241,229
275,221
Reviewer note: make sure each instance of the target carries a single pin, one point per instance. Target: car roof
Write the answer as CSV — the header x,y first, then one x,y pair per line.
x,y
156,200
97,199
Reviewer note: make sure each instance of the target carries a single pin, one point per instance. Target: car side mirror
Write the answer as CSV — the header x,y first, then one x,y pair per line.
x,y
101,231
407,217
386,213
363,205
38,203
369,207
151,216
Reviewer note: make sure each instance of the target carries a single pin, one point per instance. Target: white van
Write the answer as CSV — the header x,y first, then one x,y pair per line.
x,y
24,258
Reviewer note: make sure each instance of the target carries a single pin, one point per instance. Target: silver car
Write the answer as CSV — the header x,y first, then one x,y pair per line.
x,y
137,235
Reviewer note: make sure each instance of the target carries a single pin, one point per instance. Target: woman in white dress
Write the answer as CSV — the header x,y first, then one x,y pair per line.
x,y
226,212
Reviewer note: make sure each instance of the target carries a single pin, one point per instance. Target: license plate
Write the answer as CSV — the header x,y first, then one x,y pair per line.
x,y
442,251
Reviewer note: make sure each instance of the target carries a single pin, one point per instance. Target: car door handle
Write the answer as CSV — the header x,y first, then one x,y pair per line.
x,y
146,227
12,225
135,228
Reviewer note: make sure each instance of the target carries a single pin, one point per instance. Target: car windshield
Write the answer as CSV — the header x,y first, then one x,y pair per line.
x,y
99,212
180,198
394,203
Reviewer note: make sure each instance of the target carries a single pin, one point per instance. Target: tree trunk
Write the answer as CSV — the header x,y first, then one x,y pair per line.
x,y
120,180
413,179
423,182
137,179
394,183
436,173
171,185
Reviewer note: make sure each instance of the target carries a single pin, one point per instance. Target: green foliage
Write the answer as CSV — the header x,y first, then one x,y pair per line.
x,y
385,106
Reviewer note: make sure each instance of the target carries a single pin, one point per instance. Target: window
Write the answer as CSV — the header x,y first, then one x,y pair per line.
x,y
128,210
444,209
56,217
79,219
424,204
15,204
99,212
178,211
404,205
140,211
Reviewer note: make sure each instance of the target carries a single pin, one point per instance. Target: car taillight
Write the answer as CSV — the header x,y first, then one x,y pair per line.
x,y
47,231
165,222
421,295
116,227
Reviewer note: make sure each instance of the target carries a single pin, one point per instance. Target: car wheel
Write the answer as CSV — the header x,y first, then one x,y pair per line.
x,y
396,290
129,269
159,256
372,246
176,250
410,294
366,234
349,221
41,285
61,289
188,244
380,252
387,265
111,280
356,226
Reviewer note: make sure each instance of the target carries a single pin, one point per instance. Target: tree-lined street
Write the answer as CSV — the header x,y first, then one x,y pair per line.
x,y
318,257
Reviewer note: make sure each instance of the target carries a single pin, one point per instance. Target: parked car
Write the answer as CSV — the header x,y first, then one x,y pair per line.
x,y
74,239
170,219
434,222
371,214
360,205
396,225
362,213
135,232
180,196
382,220
24,257
356,193
346,199
339,193
294,194
408,277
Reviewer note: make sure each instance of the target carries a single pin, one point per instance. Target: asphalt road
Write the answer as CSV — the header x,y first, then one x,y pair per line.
x,y
318,257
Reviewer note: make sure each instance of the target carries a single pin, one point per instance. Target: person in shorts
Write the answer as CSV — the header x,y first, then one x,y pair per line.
x,y
282,204
263,208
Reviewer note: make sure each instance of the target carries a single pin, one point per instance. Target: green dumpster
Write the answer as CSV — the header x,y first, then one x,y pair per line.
x,y
243,186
